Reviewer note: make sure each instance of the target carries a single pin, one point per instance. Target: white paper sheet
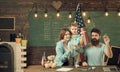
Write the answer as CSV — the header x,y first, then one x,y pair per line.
x,y
64,69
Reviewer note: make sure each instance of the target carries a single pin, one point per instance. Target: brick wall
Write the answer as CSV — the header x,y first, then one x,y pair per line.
x,y
34,54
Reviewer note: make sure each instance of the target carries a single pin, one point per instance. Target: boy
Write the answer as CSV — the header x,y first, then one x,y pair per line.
x,y
75,43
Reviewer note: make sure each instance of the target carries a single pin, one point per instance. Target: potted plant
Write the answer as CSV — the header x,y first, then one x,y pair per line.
x,y
24,35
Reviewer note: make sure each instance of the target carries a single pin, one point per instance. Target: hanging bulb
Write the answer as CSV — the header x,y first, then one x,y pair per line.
x,y
36,14
45,15
70,15
106,13
58,13
88,20
118,13
84,14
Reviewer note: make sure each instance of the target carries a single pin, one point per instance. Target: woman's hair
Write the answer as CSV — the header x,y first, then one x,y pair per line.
x,y
62,33
96,31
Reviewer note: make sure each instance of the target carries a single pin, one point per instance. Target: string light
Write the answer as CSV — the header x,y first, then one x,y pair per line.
x,y
106,12
45,14
58,13
118,12
36,13
70,15
88,20
83,13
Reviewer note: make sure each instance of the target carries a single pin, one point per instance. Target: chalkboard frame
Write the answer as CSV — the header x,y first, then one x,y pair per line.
x,y
8,20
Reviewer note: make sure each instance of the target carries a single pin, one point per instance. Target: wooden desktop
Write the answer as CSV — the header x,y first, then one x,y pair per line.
x,y
84,69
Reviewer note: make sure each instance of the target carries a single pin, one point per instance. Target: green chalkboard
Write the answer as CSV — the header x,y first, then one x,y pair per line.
x,y
108,25
45,31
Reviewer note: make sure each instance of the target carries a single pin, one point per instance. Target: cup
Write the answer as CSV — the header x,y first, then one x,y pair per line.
x,y
24,43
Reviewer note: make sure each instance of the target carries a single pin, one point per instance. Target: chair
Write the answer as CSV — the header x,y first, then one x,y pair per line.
x,y
115,60
106,60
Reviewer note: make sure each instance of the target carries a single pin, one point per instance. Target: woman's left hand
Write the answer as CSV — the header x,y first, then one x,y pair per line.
x,y
69,48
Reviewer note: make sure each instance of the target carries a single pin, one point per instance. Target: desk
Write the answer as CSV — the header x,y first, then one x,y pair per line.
x,y
84,69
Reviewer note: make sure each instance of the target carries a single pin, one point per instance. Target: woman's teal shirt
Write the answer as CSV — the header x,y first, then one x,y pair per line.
x,y
62,54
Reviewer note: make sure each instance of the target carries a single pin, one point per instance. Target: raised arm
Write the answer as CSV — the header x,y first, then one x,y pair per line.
x,y
108,50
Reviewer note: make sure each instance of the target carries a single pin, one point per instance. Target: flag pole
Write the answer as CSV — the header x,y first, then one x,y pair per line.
x,y
81,26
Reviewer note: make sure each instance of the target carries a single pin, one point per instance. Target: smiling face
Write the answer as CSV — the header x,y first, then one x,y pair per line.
x,y
95,36
67,36
73,30
95,39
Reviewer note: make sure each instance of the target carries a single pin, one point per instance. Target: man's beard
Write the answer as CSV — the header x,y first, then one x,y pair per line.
x,y
94,42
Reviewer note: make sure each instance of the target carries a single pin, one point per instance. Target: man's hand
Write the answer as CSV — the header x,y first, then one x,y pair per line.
x,y
106,39
84,64
108,51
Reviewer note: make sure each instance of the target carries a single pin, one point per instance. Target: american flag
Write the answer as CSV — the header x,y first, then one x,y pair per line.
x,y
81,25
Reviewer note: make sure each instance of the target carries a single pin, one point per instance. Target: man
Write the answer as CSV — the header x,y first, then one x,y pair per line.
x,y
95,51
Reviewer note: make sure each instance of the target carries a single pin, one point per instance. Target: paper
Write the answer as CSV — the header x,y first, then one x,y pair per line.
x,y
106,69
64,69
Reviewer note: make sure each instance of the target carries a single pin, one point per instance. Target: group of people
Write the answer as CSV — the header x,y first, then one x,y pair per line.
x,y
69,47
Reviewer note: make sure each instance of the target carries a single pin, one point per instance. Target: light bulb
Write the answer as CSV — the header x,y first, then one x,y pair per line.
x,y
106,13
70,15
118,13
58,14
35,15
88,20
45,15
83,14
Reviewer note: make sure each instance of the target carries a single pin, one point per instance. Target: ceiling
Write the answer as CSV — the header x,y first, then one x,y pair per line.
x,y
87,5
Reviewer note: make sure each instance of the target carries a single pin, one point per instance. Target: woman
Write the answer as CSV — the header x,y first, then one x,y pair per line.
x,y
62,49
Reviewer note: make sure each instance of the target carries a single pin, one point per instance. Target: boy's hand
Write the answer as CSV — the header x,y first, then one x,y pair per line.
x,y
76,47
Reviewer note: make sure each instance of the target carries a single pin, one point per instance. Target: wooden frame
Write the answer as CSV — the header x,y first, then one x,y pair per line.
x,y
7,23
